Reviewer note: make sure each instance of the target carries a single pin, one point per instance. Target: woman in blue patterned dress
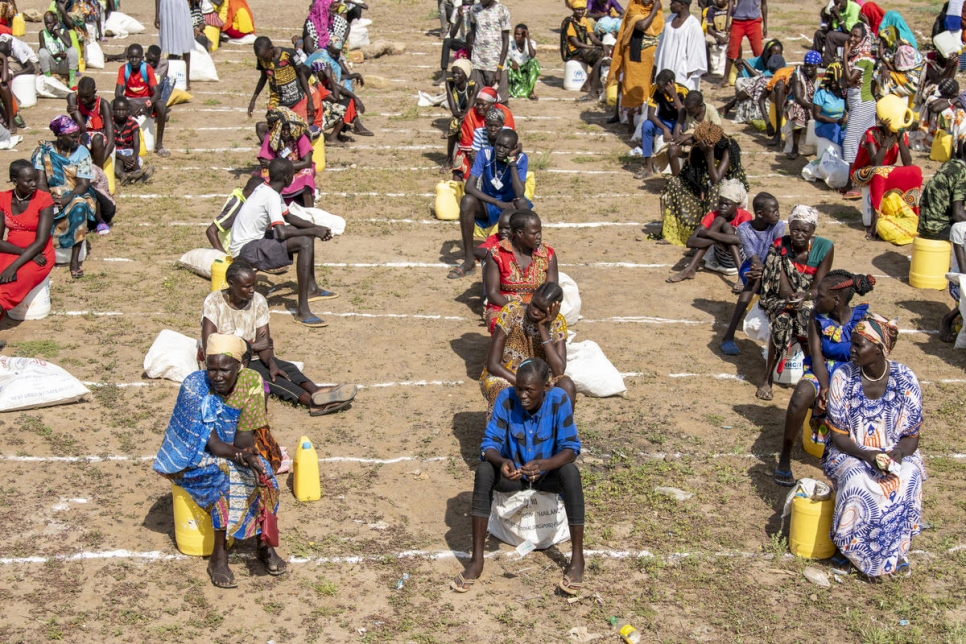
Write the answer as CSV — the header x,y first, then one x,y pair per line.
x,y
209,451
829,342
873,460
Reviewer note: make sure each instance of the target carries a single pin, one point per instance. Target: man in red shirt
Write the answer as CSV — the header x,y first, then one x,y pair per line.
x,y
137,83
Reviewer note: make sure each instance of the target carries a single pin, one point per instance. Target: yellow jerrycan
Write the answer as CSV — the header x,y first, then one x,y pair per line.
x,y
218,269
809,528
447,204
305,470
930,262
192,525
896,109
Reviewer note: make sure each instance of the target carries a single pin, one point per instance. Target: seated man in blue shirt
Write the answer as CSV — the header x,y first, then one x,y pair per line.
x,y
530,443
496,183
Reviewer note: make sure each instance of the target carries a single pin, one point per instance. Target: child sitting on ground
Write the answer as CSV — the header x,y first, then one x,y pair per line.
x,y
717,233
129,166
757,236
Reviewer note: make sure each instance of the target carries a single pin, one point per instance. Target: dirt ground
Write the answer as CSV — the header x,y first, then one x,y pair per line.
x,y
89,554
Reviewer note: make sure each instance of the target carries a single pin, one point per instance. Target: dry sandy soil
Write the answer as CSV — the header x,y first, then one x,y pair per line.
x,y
398,466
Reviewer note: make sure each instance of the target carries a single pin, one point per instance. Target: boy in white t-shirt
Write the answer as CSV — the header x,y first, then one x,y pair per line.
x,y
266,235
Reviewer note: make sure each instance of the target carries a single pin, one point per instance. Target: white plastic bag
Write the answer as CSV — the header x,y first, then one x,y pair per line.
x,y
428,100
319,217
36,306
810,488
199,260
359,33
756,325
810,170
62,255
570,307
806,143
591,371
794,366
28,383
121,25
93,55
202,66
833,169
529,515
172,356
50,87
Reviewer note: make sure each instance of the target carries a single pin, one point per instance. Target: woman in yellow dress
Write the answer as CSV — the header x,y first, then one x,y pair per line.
x,y
632,61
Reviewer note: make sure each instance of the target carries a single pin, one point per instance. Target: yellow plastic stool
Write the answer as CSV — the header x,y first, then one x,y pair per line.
x,y
192,526
808,534
810,446
930,263
213,34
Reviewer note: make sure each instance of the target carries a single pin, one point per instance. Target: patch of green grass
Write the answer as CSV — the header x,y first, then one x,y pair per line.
x,y
411,114
325,588
38,348
211,101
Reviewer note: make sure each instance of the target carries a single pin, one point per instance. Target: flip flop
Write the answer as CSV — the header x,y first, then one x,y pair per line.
x,y
342,393
274,271
222,580
333,409
729,348
903,569
363,133
312,322
459,272
323,295
784,479
274,565
569,587
462,585
78,274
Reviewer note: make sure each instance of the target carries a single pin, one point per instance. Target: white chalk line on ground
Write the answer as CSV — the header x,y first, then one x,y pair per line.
x,y
153,556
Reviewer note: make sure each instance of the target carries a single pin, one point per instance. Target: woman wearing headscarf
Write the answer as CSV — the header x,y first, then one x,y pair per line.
x,y
872,15
688,197
830,329
753,77
288,138
859,73
209,451
873,459
681,47
875,172
65,170
828,107
894,25
476,118
900,71
236,17
795,266
794,97
460,96
632,61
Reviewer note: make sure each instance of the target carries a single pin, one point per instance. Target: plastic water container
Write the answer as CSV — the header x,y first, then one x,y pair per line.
x,y
179,72
109,172
810,446
305,471
930,263
24,87
318,153
147,132
447,204
575,75
192,526
36,306
218,269
214,35
62,255
611,94
808,533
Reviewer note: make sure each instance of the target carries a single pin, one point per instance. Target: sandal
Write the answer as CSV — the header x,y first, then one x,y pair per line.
x,y
223,580
79,273
275,271
462,585
323,295
162,152
331,409
459,272
569,587
103,229
274,565
730,348
903,569
313,322
342,393
784,478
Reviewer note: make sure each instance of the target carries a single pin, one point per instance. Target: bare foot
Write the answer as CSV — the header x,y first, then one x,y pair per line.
x,y
791,156
764,392
533,97
680,277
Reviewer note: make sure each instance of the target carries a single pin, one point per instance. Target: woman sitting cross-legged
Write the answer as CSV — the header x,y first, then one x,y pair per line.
x,y
241,311
27,254
795,266
522,332
287,137
530,442
829,341
873,460
209,451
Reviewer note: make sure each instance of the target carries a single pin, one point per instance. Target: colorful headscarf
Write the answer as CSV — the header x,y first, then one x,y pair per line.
x,y
880,331
63,125
578,4
495,116
319,17
487,94
225,344
873,14
864,48
812,57
283,116
833,75
907,58
804,214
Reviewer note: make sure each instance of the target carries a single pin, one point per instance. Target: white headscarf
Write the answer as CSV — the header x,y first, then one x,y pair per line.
x,y
805,214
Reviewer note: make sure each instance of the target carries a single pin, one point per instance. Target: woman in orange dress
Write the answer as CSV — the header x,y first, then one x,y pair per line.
x,y
27,255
